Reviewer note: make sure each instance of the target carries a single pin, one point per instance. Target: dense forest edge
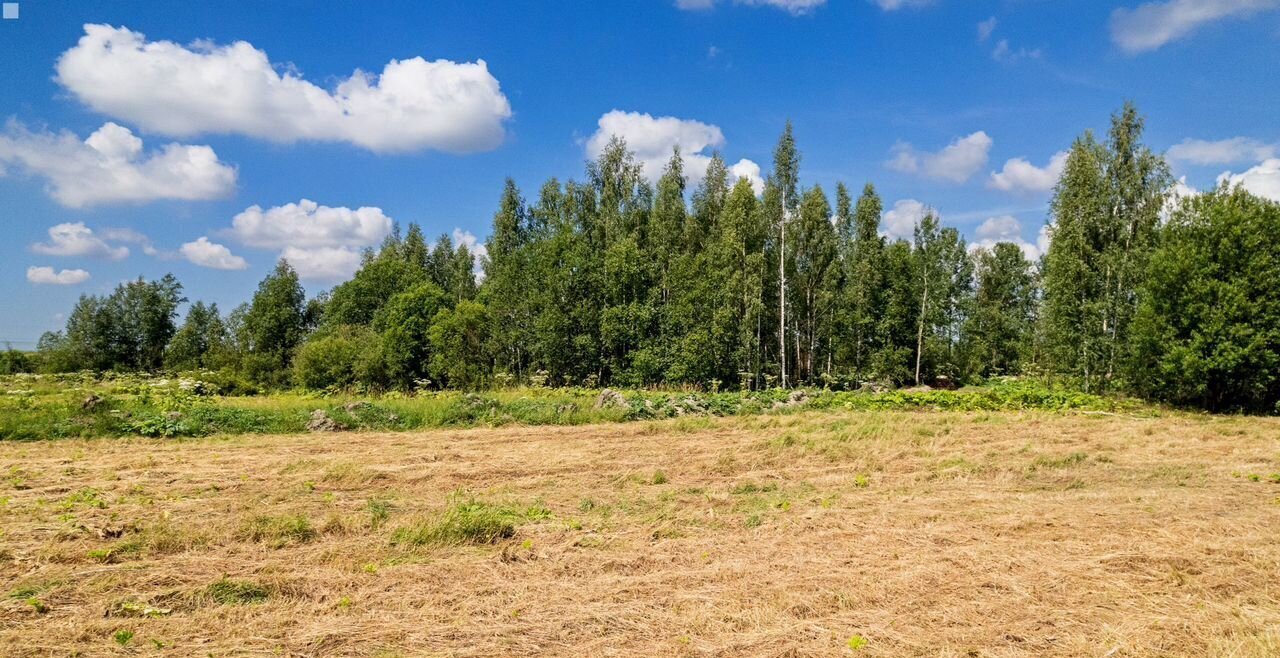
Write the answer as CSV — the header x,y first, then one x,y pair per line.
x,y
718,295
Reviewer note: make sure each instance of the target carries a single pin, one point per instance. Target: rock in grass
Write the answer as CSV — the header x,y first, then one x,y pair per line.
x,y
611,399
321,422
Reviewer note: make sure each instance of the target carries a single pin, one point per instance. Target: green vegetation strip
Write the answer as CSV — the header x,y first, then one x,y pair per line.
x,y
63,406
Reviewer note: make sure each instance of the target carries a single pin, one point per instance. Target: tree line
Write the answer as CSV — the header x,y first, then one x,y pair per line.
x,y
616,281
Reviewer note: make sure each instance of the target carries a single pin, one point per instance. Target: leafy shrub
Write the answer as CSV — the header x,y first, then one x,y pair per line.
x,y
335,360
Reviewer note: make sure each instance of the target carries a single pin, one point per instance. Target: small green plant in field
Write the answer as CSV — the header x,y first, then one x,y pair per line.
x,y
468,521
36,604
1063,461
236,592
586,505
753,521
117,552
862,480
85,497
123,638
752,488
1254,477
857,643
17,478
278,531
659,477
379,512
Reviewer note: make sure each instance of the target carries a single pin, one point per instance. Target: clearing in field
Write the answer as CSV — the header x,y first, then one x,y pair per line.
x,y
811,534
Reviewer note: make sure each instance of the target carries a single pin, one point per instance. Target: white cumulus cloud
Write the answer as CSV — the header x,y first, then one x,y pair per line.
x,y
899,222
204,253
1262,180
1007,228
1019,175
47,276
652,139
308,224
319,241
322,263
749,170
1223,151
171,89
957,162
1154,24
76,239
111,167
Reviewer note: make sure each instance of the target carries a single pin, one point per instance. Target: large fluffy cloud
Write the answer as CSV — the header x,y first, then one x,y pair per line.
x,y
1019,175
1221,152
168,88
957,162
653,138
111,167
76,239
309,224
899,222
319,241
1007,228
322,263
1262,180
1153,24
45,275
204,253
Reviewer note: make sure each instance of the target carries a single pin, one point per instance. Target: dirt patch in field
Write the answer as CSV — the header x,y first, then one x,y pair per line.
x,y
814,534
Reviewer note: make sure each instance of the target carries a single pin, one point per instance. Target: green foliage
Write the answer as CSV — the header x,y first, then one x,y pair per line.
x,y
1207,328
1105,214
617,281
459,343
126,330
1000,327
273,325
338,359
404,326
201,342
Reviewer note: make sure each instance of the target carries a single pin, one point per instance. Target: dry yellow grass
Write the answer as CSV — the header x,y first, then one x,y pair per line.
x,y
900,534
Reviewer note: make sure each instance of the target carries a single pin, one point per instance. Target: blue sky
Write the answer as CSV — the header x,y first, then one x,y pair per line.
x,y
956,105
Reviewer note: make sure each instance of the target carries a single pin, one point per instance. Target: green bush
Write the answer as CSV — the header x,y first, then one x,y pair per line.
x,y
337,360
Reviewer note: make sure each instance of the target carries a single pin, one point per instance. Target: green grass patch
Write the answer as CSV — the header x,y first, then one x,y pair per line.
x,y
278,531
236,592
468,521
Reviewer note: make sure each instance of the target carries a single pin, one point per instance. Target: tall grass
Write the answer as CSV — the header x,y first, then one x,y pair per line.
x,y
47,407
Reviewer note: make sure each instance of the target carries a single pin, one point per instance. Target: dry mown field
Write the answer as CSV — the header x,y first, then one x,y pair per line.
x,y
815,534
